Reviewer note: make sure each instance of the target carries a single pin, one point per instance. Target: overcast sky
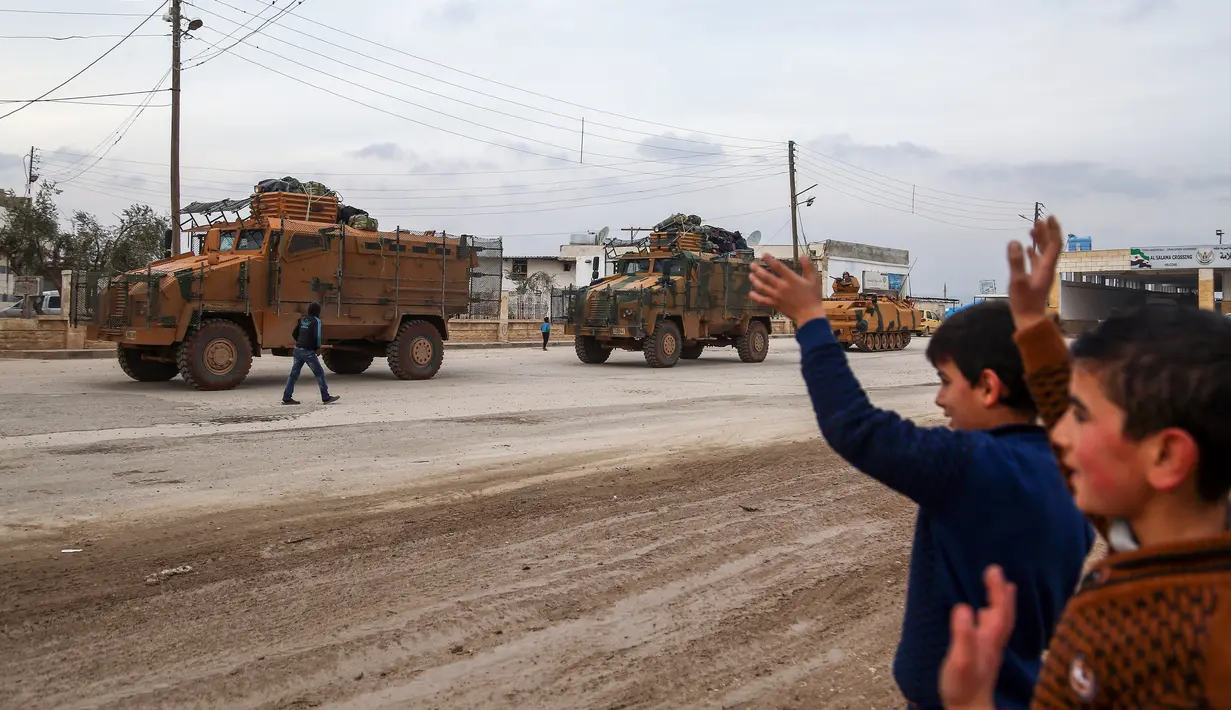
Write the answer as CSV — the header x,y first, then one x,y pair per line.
x,y
1116,114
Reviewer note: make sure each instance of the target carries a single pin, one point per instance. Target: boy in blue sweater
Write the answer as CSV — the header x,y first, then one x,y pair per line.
x,y
988,489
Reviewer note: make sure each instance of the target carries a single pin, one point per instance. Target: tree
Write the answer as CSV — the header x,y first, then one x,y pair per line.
x,y
537,282
138,238
31,236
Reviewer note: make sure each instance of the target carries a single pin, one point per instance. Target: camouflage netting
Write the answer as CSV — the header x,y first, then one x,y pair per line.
x,y
723,241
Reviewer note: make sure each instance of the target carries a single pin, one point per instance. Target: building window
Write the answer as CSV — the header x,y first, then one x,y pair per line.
x,y
568,266
521,268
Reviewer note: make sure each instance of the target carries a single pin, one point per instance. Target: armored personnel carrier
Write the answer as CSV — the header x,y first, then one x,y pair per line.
x,y
684,289
206,315
871,321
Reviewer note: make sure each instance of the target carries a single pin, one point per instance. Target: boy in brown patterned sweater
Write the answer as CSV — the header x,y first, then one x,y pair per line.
x,y
1140,416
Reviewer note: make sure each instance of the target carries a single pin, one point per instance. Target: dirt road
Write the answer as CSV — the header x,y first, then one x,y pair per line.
x,y
549,565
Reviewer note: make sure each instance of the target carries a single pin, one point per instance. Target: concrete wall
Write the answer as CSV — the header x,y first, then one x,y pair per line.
x,y
1093,261
40,333
866,253
553,267
526,331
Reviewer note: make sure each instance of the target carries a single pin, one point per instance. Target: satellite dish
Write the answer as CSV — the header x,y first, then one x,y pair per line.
x,y
602,234
754,238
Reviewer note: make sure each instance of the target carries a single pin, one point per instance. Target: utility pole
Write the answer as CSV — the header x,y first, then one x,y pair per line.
x,y
31,177
176,36
1038,213
794,205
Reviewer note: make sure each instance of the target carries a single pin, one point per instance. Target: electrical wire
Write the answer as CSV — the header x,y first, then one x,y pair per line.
x,y
908,211
74,37
333,29
81,14
87,67
75,98
574,119
822,156
265,24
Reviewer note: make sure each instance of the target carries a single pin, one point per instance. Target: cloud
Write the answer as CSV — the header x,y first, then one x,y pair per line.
x,y
1139,10
381,151
843,147
457,13
1068,179
697,148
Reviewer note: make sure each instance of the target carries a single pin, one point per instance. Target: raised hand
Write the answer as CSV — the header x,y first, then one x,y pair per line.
x,y
1028,291
968,673
795,296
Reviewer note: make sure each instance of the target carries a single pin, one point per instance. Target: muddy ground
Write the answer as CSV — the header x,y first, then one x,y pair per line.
x,y
473,547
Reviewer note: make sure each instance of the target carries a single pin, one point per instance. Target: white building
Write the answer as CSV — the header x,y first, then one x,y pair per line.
x,y
875,267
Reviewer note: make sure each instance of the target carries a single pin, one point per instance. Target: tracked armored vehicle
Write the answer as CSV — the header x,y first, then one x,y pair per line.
x,y
871,321
684,290
205,314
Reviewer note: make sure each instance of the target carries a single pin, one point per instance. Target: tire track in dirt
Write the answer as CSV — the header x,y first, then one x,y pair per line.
x,y
746,578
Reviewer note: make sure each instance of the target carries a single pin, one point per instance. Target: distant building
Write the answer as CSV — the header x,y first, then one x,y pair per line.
x,y
876,267
1077,243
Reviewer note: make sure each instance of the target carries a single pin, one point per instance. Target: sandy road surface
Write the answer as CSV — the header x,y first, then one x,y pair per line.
x,y
522,531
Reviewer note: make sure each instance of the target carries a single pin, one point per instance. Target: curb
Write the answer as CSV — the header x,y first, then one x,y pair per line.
x,y
109,353
88,354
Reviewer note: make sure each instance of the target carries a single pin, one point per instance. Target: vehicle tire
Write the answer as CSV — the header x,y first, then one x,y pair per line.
x,y
927,332
143,370
663,348
692,352
589,350
346,362
417,352
905,340
215,356
753,345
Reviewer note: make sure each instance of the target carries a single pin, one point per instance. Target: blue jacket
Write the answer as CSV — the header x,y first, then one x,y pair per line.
x,y
984,497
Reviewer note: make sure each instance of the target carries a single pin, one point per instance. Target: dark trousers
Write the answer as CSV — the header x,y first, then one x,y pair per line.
x,y
546,336
309,358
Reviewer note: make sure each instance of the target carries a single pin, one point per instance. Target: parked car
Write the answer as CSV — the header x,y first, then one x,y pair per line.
x,y
48,305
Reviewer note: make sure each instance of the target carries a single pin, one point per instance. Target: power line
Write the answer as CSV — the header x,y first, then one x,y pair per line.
x,y
263,25
75,98
74,37
462,87
334,29
87,67
915,201
907,211
825,157
81,14
354,84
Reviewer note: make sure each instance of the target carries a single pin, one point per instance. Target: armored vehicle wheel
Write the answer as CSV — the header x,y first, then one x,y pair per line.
x,y
346,362
589,350
663,348
905,340
417,352
215,356
692,352
142,370
753,345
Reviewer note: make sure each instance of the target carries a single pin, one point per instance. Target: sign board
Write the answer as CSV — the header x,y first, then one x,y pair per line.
x,y
895,281
27,285
875,280
988,286
1180,257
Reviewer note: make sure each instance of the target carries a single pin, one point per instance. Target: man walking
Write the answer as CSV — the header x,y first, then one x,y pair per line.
x,y
546,328
307,335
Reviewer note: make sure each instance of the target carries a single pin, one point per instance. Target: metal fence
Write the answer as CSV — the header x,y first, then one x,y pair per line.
x,y
487,279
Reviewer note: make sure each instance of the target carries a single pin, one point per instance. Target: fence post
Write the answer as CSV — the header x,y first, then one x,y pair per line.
x,y
504,316
66,293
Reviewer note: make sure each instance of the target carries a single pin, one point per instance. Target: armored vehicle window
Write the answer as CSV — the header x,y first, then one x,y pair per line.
x,y
670,267
251,240
635,266
304,242
228,241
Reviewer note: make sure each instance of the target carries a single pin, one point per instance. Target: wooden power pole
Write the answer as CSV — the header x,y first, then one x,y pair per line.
x,y
176,36
790,157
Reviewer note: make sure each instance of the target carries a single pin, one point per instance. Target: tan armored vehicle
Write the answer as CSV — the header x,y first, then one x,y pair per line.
x,y
684,290
872,321
206,315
